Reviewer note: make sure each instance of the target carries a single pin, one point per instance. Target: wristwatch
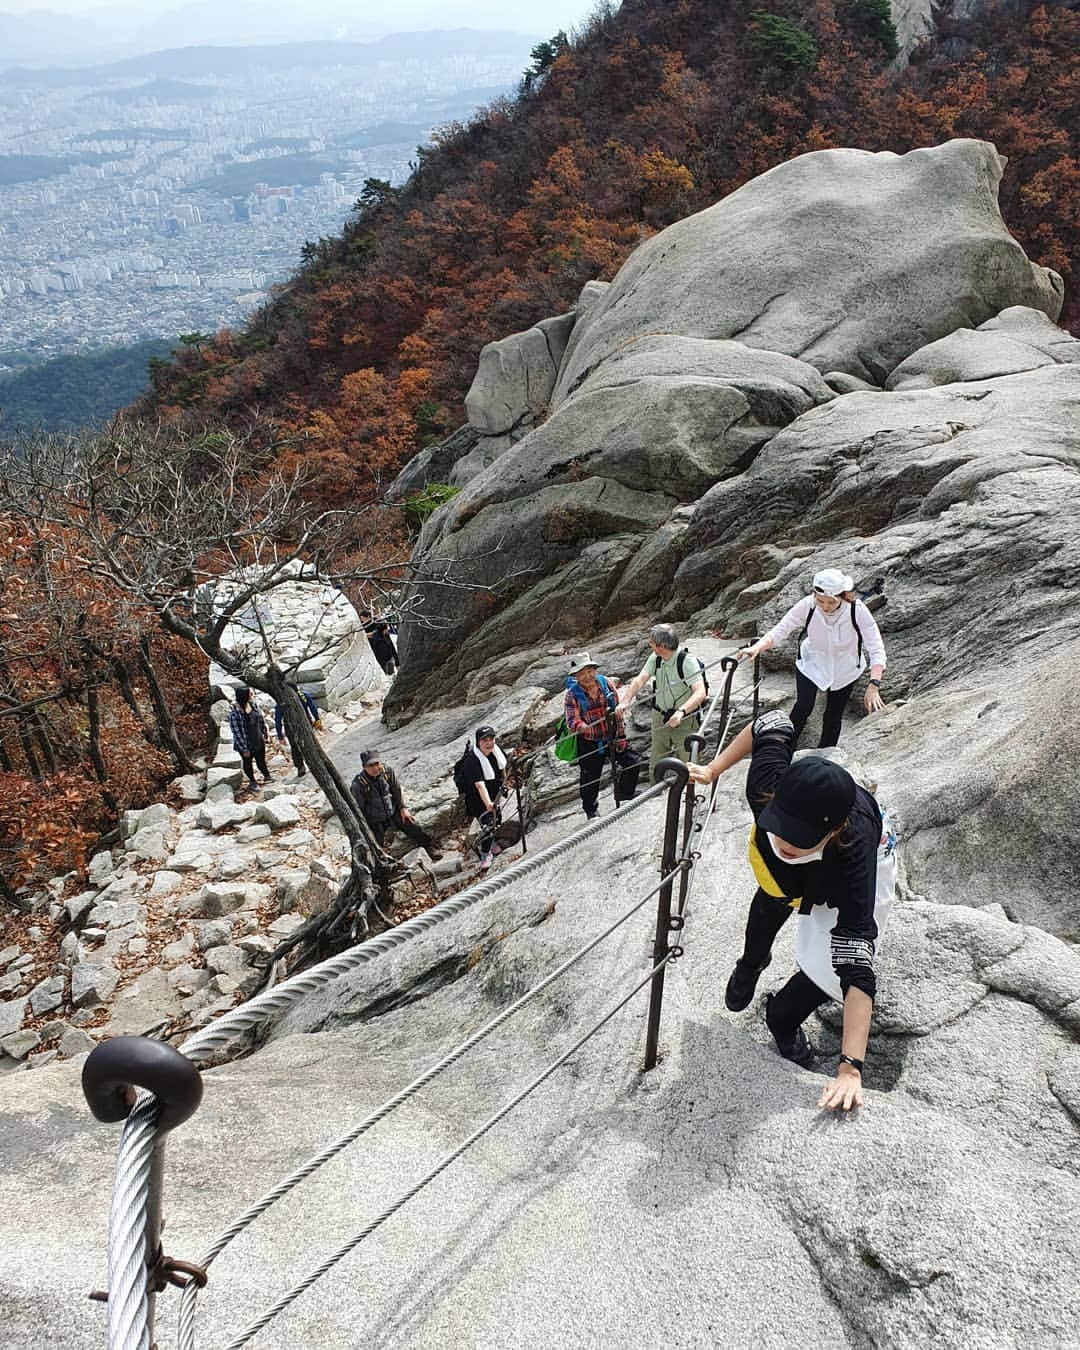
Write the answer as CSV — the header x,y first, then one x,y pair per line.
x,y
850,1059
877,682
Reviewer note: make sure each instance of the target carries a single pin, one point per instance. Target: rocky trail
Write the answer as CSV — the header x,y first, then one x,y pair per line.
x,y
849,362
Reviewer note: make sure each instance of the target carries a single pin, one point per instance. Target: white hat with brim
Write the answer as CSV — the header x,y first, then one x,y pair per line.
x,y
579,661
832,581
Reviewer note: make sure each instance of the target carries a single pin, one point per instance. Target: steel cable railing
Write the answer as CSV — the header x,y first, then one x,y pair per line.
x,y
294,1293
139,1163
129,1312
260,1207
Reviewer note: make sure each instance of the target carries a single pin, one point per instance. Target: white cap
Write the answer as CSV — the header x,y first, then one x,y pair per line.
x,y
578,662
832,581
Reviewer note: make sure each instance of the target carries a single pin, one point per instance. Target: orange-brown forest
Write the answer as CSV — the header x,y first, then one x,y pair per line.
x,y
653,111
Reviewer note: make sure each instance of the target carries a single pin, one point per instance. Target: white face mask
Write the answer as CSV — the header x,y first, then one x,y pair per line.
x,y
775,841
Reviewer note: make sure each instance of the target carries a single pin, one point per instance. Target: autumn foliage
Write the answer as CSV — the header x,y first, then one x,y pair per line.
x,y
651,112
79,740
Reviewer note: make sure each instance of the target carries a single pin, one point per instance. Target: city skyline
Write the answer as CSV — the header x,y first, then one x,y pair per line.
x,y
157,199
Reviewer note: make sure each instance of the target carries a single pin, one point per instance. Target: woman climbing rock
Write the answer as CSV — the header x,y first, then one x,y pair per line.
x,y
838,634
820,845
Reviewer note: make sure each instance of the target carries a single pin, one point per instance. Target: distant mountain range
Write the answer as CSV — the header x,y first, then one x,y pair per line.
x,y
180,62
46,39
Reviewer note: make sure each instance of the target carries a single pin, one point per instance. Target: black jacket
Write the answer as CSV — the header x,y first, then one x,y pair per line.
x,y
370,798
474,805
845,879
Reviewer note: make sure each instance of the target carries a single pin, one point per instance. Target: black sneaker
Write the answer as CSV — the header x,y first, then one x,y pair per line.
x,y
741,985
591,815
796,1047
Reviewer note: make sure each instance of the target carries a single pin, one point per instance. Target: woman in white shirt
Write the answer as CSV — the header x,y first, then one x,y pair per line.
x,y
839,637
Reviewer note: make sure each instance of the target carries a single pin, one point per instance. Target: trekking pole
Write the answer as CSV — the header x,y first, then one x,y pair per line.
x,y
675,773
521,813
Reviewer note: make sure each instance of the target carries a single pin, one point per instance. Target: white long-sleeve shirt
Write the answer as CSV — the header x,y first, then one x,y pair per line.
x,y
829,654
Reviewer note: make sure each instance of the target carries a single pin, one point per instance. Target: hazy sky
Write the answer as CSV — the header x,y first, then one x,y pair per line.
x,y
403,14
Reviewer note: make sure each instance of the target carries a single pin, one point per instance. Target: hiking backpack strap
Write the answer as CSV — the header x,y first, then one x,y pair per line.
x,y
806,626
858,634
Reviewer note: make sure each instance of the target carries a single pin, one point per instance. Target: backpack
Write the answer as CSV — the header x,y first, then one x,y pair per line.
x,y
680,663
462,780
858,635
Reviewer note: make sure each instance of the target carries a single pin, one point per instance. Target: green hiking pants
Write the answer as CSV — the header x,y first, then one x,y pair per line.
x,y
670,741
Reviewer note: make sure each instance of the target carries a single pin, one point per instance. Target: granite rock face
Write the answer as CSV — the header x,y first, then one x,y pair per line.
x,y
679,446
943,1213
846,259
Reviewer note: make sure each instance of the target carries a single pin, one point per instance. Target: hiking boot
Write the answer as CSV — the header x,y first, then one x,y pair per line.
x,y
435,854
741,985
591,815
795,1046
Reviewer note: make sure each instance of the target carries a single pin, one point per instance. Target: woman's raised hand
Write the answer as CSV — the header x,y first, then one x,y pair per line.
x,y
746,652
699,773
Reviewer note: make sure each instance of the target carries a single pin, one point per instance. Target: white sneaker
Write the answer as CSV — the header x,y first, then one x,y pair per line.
x,y
485,861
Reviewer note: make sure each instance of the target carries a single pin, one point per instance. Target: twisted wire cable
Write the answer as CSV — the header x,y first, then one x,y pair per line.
x,y
128,1305
253,1328
126,1265
186,1338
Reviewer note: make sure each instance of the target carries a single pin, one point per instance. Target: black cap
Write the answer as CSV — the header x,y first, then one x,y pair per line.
x,y
813,798
367,756
482,733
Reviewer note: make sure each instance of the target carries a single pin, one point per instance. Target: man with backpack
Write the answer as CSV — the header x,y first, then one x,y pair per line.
x,y
377,792
592,714
681,689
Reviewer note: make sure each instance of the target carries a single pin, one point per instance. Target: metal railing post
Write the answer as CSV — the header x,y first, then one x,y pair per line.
x,y
675,773
757,684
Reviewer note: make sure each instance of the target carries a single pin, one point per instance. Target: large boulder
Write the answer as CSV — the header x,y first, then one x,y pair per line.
x,y
515,377
499,553
1016,340
847,259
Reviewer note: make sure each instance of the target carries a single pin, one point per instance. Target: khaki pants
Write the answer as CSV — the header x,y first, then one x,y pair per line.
x,y
670,741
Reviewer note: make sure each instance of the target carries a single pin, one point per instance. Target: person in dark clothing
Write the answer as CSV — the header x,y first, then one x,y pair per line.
x,y
281,731
485,773
382,644
248,727
821,846
377,792
590,708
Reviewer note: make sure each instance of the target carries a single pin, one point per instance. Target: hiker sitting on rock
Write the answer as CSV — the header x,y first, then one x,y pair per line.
x,y
377,792
248,727
680,692
820,845
836,628
481,773
592,714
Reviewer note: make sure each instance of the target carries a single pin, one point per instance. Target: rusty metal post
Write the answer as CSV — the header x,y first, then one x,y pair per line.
x,y
676,774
